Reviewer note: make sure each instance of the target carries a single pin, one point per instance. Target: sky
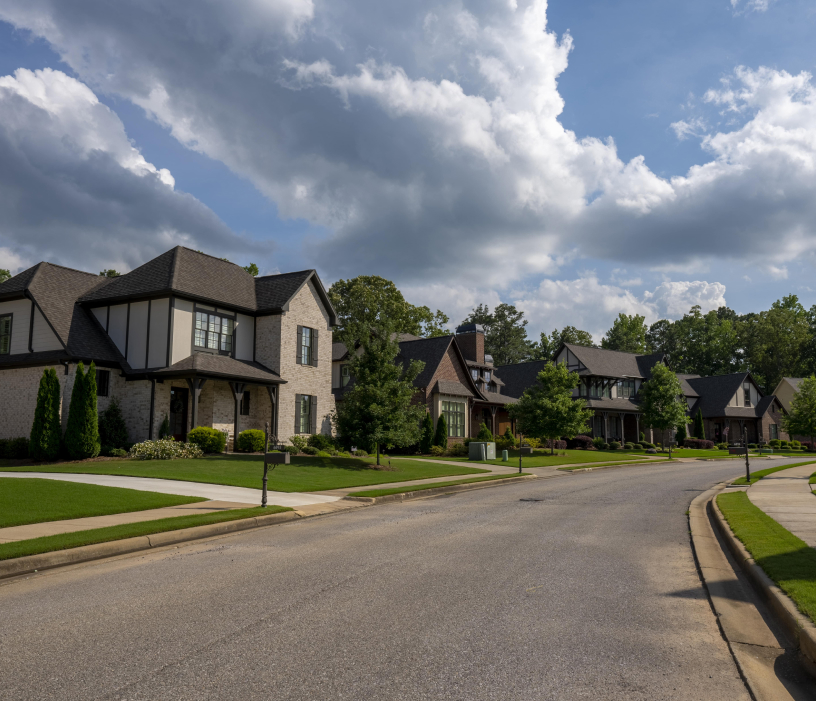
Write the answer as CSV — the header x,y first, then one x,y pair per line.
x,y
577,160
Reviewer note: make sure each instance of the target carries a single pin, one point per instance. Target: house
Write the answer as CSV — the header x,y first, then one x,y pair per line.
x,y
186,335
731,403
457,380
787,387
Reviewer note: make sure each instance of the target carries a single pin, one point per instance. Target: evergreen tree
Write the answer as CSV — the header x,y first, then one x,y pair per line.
x,y
46,431
680,436
547,410
112,429
82,432
426,439
802,418
485,434
662,401
164,429
699,426
441,436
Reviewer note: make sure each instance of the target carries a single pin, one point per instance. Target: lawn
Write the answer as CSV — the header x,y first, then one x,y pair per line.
x,y
759,474
571,457
36,546
431,485
304,474
786,559
25,501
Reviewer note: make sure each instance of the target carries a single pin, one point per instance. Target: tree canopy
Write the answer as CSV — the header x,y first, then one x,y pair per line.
x,y
661,400
505,333
628,334
4,275
109,273
252,269
549,345
802,418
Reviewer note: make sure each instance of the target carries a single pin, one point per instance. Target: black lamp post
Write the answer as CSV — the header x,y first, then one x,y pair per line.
x,y
747,467
266,465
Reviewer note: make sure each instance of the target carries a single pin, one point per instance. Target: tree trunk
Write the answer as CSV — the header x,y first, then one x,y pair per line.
x,y
378,454
552,446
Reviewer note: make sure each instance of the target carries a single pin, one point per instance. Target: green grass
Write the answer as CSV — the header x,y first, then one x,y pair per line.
x,y
546,460
759,474
432,485
570,468
786,559
304,474
24,500
36,546
812,479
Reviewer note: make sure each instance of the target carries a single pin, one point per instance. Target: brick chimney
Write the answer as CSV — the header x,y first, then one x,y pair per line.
x,y
470,338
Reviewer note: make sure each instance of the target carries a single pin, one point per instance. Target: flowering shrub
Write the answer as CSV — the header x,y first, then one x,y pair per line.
x,y
582,442
698,443
164,449
559,444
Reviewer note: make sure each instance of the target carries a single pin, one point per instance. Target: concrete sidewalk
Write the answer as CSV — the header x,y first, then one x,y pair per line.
x,y
788,499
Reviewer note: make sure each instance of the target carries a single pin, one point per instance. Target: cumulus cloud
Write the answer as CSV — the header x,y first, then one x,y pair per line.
x,y
74,189
750,5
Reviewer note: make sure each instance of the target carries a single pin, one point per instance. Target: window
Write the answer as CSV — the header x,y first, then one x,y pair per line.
x,y
487,375
599,389
626,388
345,375
102,383
213,332
492,388
245,403
746,391
5,334
305,413
306,346
455,417
774,429
474,373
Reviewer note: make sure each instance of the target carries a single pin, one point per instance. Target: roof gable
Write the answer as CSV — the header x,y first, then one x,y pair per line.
x,y
716,391
609,363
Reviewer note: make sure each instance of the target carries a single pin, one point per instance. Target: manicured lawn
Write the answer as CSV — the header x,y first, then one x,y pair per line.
x,y
25,501
571,457
786,559
304,474
35,546
759,474
431,485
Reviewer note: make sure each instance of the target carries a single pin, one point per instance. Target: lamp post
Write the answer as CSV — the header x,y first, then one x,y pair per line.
x,y
745,442
266,464
521,443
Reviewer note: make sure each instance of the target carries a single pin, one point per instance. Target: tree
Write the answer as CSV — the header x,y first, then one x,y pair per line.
x,y
426,439
549,345
378,409
680,436
628,334
82,431
547,410
440,438
661,400
699,426
46,431
4,275
368,299
109,273
801,421
164,429
485,433
660,338
252,269
505,333
112,428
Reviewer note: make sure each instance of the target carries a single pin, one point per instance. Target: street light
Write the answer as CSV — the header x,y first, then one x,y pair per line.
x,y
747,467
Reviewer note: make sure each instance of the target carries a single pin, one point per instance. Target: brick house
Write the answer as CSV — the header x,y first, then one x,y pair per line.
x,y
186,335
457,380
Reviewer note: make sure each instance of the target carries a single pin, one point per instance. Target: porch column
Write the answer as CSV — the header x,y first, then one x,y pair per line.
x,y
152,409
273,397
237,393
606,426
493,408
196,384
637,427
742,429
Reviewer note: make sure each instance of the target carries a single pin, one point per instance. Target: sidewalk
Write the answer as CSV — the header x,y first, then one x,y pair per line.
x,y
788,499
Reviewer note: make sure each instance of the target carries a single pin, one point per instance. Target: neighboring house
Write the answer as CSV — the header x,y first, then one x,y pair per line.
x,y
457,380
787,387
185,335
730,403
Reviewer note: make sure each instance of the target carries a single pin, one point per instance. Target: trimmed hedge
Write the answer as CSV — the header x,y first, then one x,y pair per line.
x,y
253,440
698,444
582,442
614,445
13,448
210,440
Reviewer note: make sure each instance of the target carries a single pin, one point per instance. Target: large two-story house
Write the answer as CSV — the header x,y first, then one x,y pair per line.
x,y
185,336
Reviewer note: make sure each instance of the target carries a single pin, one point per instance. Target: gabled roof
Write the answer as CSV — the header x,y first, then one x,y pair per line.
x,y
688,390
430,351
452,387
274,292
221,367
609,363
716,391
519,376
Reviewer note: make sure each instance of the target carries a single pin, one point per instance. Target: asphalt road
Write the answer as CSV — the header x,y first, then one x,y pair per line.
x,y
588,592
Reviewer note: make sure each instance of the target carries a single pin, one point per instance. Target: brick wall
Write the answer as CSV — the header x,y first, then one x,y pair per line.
x,y
19,391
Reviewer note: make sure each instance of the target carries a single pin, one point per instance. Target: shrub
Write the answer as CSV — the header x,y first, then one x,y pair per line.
x,y
441,436
361,453
437,451
82,432
642,437
323,453
722,446
118,453
164,449
559,444
427,436
508,437
252,440
752,446
807,445
614,445
164,429
783,444
629,446
698,443
774,443
582,442
653,451
681,434
532,442
14,448
310,450
605,446
46,431
291,449
210,440
299,442
112,428
796,444
484,434
458,450
344,454
598,442
321,441
647,445
503,444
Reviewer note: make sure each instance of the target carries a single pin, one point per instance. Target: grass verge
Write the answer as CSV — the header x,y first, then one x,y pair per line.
x,y
37,546
546,460
432,485
759,474
787,560
24,501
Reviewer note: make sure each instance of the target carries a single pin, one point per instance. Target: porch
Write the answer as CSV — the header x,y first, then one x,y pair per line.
x,y
621,426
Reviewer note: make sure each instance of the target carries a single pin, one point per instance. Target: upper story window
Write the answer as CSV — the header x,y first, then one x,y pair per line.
x,y
492,387
487,375
213,332
626,388
5,334
306,346
102,383
345,375
746,391
599,389
474,373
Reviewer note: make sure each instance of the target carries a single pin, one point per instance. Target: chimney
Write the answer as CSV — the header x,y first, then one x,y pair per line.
x,y
470,338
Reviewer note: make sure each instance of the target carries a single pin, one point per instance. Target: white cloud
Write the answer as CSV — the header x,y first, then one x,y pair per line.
x,y
750,5
692,127
11,261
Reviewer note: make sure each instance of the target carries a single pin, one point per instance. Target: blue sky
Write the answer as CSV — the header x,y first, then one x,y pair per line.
x,y
299,157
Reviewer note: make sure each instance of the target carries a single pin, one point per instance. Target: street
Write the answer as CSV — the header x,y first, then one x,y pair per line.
x,y
578,587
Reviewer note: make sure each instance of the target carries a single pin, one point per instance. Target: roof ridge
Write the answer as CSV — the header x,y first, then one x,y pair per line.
x,y
64,267
294,272
223,260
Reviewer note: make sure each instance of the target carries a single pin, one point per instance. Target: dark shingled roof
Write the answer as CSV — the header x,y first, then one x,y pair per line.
x,y
688,390
716,391
609,363
430,351
620,404
273,292
221,366
519,376
452,387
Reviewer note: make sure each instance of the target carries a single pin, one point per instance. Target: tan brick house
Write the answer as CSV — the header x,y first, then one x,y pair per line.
x,y
186,335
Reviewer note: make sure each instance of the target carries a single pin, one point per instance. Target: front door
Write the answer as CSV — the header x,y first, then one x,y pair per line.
x,y
178,413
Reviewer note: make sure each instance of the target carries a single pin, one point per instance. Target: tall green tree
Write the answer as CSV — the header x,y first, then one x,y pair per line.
x,y
801,421
4,275
46,431
628,334
368,299
440,438
505,333
660,338
426,439
662,401
549,345
112,428
705,344
378,410
82,431
547,410
699,426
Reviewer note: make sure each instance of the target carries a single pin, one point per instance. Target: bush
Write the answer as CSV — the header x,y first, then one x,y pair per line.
x,y
46,431
503,444
291,449
605,446
681,434
458,450
796,444
614,445
210,440
14,448
112,428
252,440
299,442
783,444
484,434
320,441
532,442
344,454
310,450
118,453
647,445
164,429
361,453
629,446
441,436
642,437
752,446
82,432
559,444
698,444
164,449
598,442
774,443
427,436
437,451
582,442
652,451
323,453
722,446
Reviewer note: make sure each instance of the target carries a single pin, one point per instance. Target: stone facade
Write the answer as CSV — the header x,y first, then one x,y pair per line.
x,y
23,384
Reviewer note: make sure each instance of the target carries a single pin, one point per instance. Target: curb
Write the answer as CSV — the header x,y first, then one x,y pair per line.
x,y
420,493
86,553
801,630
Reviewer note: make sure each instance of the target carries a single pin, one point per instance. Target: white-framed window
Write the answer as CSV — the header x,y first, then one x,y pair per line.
x,y
306,351
305,413
455,417
774,431
746,393
345,375
213,332
5,334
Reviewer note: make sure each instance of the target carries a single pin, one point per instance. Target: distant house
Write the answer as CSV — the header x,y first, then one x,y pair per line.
x,y
186,335
457,380
787,387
